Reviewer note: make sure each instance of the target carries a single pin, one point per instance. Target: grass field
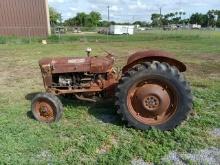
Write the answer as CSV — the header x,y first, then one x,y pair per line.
x,y
93,133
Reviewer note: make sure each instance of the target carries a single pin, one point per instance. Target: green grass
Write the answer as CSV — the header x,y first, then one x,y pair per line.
x,y
82,136
93,37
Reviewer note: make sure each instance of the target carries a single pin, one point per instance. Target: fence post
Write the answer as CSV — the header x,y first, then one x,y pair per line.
x,y
59,35
29,34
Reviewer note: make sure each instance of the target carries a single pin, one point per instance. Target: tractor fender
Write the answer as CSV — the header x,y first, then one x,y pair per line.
x,y
153,55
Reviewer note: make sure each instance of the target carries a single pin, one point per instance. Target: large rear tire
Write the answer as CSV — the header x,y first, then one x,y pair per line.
x,y
47,108
153,95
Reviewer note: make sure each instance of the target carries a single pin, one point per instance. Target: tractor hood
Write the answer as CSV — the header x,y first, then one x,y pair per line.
x,y
77,64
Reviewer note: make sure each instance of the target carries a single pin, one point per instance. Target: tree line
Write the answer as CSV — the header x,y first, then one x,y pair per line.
x,y
81,19
94,19
210,19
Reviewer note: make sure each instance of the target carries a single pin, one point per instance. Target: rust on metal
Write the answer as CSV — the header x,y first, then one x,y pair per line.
x,y
153,55
147,99
95,74
70,75
71,65
151,102
45,111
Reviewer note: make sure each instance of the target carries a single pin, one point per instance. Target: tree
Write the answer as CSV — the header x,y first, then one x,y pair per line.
x,y
218,22
141,23
55,17
173,18
155,19
211,18
176,20
81,19
113,23
104,24
217,13
95,18
185,21
70,22
176,13
85,20
137,23
165,19
198,18
172,15
180,14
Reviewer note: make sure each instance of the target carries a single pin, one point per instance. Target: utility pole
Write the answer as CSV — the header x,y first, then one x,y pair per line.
x,y
108,13
108,21
160,16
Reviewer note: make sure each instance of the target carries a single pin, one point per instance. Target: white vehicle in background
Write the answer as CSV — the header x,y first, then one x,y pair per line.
x,y
196,26
170,27
121,29
76,30
139,28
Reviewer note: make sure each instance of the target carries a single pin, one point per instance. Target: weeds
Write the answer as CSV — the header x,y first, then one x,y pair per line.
x,y
83,136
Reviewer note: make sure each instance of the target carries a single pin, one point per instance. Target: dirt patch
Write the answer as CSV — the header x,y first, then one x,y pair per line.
x,y
210,57
215,132
44,155
203,65
208,156
106,147
203,68
140,162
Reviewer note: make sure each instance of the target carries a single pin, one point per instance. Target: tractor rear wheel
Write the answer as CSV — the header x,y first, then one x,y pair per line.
x,y
47,108
153,95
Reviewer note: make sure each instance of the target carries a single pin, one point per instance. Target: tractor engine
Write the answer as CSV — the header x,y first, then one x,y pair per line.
x,y
65,80
84,86
77,80
79,76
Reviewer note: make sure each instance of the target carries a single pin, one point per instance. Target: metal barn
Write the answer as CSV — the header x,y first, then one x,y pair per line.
x,y
24,18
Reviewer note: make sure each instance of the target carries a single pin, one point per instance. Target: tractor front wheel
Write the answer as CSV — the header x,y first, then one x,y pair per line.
x,y
47,108
153,95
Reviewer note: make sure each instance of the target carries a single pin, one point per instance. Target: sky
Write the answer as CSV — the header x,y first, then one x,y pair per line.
x,y
132,10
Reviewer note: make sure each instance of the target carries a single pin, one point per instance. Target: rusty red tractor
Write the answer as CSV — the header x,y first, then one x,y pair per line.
x,y
150,91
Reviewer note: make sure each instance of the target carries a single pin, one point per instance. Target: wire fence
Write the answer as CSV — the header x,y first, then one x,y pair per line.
x,y
61,34
58,34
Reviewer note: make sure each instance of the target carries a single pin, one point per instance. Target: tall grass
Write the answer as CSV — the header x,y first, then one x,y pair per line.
x,y
141,36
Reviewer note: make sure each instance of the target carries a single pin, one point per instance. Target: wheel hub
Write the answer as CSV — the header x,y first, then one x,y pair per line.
x,y
151,103
44,111
153,98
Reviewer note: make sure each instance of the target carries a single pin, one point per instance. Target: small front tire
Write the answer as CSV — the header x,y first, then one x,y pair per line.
x,y
47,108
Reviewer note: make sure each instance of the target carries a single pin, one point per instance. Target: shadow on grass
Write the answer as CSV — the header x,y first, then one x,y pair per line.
x,y
104,110
30,96
30,115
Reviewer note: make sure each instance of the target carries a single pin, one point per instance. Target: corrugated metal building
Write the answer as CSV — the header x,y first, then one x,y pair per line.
x,y
24,18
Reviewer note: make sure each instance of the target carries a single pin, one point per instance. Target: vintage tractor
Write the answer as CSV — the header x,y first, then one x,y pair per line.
x,y
149,92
